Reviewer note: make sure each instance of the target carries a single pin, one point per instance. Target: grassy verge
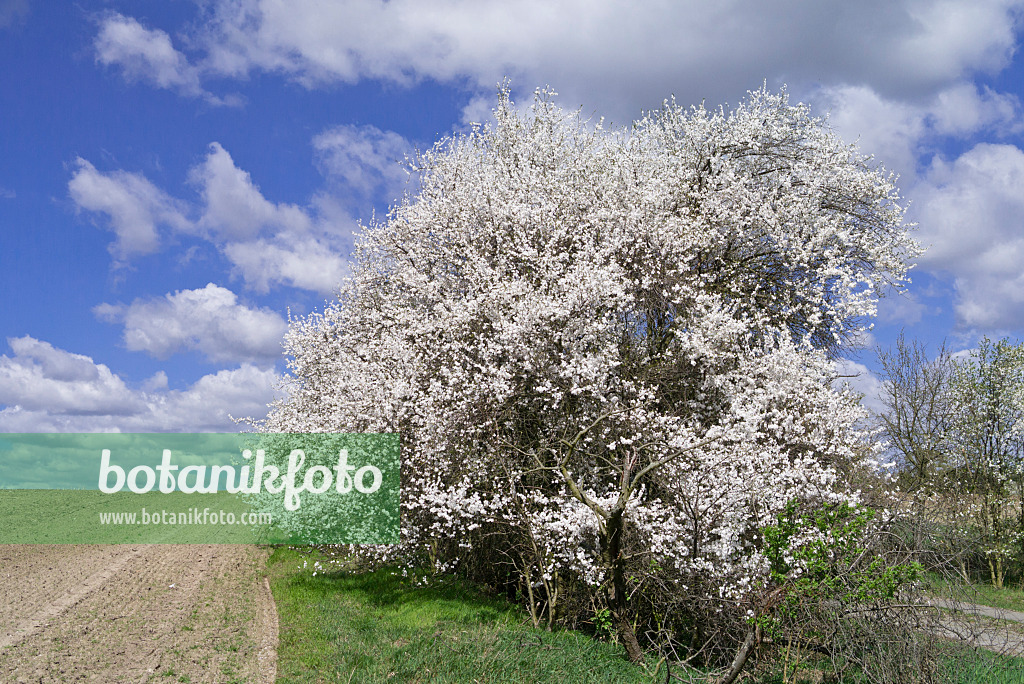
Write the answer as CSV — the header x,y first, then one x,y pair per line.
x,y
1007,598
977,666
381,627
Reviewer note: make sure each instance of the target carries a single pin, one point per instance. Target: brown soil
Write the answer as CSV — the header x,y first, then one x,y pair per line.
x,y
142,613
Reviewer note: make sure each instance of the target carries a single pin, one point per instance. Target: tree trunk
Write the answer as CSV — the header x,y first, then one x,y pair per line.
x,y
616,590
740,661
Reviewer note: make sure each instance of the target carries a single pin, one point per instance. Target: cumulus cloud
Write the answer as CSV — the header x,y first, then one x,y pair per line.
x,y
308,263
949,38
971,212
894,73
904,309
968,207
267,243
136,208
209,320
145,54
234,208
364,161
42,377
616,57
46,389
899,132
964,109
148,55
209,403
860,379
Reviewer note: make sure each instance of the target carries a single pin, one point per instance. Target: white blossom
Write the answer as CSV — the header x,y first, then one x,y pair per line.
x,y
671,293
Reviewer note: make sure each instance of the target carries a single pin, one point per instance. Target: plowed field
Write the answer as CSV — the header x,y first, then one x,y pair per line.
x,y
143,613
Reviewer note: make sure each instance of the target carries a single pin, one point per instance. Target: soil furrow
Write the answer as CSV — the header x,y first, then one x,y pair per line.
x,y
147,613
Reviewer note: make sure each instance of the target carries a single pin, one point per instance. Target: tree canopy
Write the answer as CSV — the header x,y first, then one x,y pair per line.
x,y
608,352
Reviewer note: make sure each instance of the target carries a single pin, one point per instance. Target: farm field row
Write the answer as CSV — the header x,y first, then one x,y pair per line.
x,y
136,613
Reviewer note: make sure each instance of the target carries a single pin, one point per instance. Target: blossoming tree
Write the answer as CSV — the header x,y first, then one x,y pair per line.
x,y
608,352
986,434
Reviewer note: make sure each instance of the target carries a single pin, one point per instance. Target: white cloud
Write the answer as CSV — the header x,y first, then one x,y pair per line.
x,y
899,132
136,208
478,110
864,339
616,57
267,243
243,392
42,377
363,161
234,208
971,212
904,309
951,37
209,320
46,389
860,379
964,109
149,55
968,209
894,73
155,382
305,262
145,54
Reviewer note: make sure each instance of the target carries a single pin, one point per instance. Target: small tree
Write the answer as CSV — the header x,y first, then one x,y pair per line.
x,y
918,409
987,434
608,353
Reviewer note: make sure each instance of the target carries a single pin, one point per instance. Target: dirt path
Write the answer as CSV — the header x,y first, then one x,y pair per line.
x,y
994,629
977,609
143,613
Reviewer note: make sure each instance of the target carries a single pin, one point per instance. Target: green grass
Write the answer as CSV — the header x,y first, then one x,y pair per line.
x,y
1007,598
956,664
73,516
381,627
969,666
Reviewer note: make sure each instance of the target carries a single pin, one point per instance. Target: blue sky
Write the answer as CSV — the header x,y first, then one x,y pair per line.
x,y
178,176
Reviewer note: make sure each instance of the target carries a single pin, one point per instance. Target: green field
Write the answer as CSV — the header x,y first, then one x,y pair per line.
x,y
68,516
